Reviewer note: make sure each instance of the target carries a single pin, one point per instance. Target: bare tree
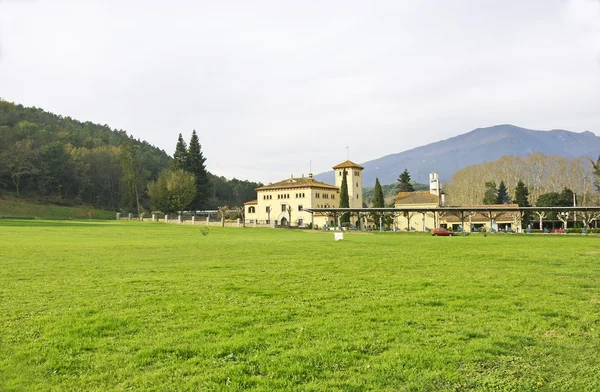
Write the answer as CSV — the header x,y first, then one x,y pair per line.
x,y
541,174
223,211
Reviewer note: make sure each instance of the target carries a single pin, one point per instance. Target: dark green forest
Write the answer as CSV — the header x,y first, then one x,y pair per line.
x,y
50,158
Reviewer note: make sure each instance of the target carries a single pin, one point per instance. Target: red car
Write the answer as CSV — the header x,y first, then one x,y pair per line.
x,y
441,231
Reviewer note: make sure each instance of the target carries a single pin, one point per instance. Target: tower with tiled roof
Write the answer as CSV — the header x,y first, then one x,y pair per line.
x,y
354,179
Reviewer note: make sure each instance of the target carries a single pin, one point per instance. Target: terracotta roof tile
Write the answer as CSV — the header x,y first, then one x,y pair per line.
x,y
419,197
251,202
303,182
348,164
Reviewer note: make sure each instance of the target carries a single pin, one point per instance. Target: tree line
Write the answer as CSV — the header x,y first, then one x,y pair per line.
x,y
539,174
55,159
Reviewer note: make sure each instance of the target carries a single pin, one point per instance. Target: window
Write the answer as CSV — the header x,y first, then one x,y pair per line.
x,y
251,210
268,209
283,209
300,222
268,221
300,207
357,196
333,196
357,184
357,174
317,195
340,174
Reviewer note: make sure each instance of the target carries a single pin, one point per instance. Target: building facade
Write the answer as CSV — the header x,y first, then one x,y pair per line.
x,y
283,203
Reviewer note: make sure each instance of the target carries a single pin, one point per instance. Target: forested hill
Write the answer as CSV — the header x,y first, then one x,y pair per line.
x,y
44,156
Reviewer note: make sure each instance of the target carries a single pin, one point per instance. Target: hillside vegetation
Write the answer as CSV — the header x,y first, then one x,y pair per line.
x,y
55,159
17,208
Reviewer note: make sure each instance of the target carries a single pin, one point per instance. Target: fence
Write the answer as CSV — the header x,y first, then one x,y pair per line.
x,y
184,219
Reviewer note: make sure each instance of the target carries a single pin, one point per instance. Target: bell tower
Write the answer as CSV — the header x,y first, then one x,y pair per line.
x,y
354,180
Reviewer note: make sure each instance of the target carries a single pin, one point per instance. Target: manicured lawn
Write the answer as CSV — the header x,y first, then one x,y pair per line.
x,y
151,306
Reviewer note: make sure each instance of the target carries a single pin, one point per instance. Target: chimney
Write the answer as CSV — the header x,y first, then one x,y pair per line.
x,y
443,200
434,184
309,175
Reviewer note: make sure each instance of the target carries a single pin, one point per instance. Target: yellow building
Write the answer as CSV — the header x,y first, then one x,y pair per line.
x,y
283,203
416,221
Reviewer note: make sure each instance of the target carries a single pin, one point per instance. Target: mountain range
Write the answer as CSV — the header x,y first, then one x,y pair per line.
x,y
478,146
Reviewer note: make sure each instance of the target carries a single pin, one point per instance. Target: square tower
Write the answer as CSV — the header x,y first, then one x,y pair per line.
x,y
354,180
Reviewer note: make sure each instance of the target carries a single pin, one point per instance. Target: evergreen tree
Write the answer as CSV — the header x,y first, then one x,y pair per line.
x,y
566,197
522,199
555,199
194,163
344,198
404,184
503,196
491,193
596,172
378,201
180,155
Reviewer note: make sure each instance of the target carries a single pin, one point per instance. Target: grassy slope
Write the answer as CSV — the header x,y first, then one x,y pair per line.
x,y
23,209
120,305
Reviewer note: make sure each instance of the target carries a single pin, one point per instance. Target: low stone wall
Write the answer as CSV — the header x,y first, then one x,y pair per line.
x,y
189,221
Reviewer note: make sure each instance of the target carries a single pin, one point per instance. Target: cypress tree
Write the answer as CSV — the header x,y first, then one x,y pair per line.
x,y
404,184
344,198
194,163
179,157
503,197
378,201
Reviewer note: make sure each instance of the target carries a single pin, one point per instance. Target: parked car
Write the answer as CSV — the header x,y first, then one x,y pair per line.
x,y
441,231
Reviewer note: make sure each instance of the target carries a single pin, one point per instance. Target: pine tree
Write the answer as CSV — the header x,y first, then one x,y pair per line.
x,y
522,199
179,157
503,196
404,184
194,163
344,198
491,193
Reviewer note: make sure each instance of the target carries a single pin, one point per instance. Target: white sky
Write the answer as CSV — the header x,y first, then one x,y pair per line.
x,y
272,85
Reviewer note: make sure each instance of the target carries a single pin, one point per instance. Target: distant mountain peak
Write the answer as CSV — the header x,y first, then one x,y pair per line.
x,y
477,146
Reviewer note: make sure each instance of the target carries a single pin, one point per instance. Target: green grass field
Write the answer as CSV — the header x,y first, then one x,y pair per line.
x,y
12,207
151,306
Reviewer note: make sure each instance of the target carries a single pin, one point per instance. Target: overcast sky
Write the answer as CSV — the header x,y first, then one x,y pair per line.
x,y
271,85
